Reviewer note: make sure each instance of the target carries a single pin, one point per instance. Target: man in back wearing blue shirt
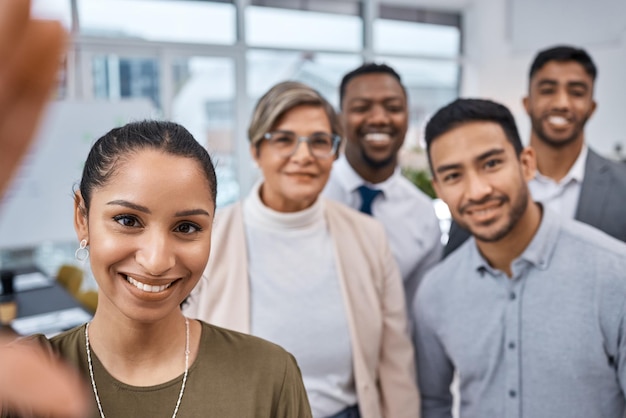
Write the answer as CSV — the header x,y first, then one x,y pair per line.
x,y
530,311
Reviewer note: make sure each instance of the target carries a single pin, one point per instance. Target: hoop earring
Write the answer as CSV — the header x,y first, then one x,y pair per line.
x,y
82,252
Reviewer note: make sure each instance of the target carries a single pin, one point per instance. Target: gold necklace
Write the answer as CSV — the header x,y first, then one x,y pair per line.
x,y
93,380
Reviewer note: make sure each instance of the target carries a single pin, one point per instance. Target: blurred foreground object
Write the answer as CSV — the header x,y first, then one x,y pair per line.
x,y
31,381
30,55
34,383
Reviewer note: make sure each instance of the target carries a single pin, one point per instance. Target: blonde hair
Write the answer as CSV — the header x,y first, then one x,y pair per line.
x,y
282,98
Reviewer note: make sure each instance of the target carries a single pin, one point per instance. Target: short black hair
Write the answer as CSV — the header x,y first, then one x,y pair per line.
x,y
367,68
463,111
562,53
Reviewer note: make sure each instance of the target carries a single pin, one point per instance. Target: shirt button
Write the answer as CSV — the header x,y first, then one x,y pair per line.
x,y
511,345
512,393
512,295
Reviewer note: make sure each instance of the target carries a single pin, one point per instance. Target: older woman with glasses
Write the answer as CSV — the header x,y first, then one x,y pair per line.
x,y
309,274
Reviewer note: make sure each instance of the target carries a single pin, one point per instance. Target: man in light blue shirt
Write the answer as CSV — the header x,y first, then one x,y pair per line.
x,y
530,311
374,112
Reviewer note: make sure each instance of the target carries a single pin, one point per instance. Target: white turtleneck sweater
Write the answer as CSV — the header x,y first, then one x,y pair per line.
x,y
296,300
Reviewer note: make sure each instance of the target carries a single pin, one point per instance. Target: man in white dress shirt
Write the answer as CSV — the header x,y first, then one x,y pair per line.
x,y
572,178
374,112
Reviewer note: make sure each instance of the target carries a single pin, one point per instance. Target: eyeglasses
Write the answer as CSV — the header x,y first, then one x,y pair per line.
x,y
285,143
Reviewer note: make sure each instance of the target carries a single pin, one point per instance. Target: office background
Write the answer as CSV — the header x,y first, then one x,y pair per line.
x,y
205,63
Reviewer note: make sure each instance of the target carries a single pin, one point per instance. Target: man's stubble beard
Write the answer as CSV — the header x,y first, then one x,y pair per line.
x,y
553,143
378,164
515,214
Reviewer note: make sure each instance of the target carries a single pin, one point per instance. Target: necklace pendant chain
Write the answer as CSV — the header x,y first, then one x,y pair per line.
x,y
182,387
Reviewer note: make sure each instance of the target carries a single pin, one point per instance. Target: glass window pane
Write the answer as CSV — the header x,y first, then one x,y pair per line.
x,y
53,9
159,20
323,72
204,103
273,27
391,36
61,90
116,77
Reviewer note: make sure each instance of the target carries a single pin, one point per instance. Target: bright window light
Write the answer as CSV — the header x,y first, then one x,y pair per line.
x,y
272,27
159,20
53,9
394,36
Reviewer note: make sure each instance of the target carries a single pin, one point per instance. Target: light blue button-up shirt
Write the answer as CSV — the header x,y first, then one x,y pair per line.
x,y
548,342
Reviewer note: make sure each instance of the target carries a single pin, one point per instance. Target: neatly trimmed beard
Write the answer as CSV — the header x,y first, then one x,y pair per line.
x,y
377,164
515,214
554,143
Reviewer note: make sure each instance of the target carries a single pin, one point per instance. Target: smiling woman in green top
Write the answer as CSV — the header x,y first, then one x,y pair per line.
x,y
143,214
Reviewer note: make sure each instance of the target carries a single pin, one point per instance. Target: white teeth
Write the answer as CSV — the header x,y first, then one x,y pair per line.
x,y
146,287
483,211
377,137
557,120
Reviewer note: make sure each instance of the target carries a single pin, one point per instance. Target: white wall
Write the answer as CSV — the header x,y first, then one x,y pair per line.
x,y
499,47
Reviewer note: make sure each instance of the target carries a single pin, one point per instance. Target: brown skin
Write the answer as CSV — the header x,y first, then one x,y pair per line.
x,y
30,53
374,104
31,381
483,182
559,103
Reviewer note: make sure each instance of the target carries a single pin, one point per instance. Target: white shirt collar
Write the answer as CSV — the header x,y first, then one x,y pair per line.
x,y
351,180
576,172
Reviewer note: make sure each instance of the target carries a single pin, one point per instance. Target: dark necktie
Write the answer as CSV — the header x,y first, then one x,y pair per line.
x,y
367,197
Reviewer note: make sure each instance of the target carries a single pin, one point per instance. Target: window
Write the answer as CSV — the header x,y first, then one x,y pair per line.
x,y
116,77
392,36
53,9
284,28
159,20
204,103
322,71
413,31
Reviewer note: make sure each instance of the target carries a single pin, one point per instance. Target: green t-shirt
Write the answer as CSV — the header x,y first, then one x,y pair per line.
x,y
234,375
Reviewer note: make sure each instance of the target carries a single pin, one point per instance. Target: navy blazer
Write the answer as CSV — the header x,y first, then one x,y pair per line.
x,y
602,201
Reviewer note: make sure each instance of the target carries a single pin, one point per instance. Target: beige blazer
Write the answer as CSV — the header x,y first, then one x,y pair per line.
x,y
384,365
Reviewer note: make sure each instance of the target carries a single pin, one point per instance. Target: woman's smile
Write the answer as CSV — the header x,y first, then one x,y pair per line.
x,y
150,288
